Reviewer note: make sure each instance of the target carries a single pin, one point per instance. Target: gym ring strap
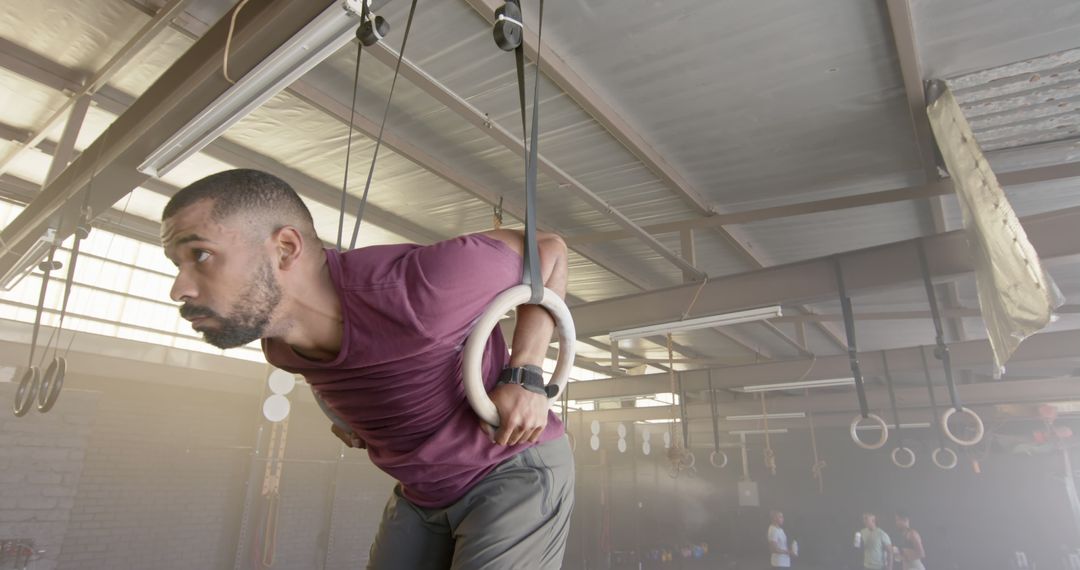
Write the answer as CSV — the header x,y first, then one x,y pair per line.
x,y
532,290
941,352
853,359
28,385
901,448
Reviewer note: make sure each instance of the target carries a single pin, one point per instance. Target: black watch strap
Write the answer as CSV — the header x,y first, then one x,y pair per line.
x,y
529,377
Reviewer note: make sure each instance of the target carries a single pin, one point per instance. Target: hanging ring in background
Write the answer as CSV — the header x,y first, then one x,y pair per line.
x,y
901,451
953,459
875,419
979,428
723,460
52,382
474,347
27,391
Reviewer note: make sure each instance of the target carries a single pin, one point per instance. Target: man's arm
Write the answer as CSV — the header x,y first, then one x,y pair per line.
x,y
349,438
918,553
523,414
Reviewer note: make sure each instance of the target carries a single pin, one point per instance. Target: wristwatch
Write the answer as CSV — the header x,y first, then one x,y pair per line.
x,y
529,377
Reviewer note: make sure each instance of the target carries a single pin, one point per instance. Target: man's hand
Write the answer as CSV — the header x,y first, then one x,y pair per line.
x,y
523,415
348,437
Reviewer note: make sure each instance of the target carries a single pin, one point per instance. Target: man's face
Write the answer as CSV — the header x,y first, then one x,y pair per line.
x,y
778,519
225,281
902,523
870,521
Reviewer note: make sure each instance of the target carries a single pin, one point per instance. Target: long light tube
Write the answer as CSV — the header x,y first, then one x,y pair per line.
x,y
875,427
726,319
796,385
777,416
327,33
758,431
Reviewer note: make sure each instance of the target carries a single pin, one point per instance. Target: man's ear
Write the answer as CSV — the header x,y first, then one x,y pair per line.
x,y
288,246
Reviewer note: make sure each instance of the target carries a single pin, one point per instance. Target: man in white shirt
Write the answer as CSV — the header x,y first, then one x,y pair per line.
x,y
876,545
778,542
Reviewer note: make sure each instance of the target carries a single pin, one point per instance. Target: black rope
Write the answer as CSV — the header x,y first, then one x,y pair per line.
x,y
348,146
849,330
933,398
713,411
941,350
382,126
47,270
531,271
892,396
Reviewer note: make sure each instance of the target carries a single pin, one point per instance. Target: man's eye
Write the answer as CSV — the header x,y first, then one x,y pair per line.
x,y
201,255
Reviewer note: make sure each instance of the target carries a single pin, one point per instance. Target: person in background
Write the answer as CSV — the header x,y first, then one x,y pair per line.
x,y
778,542
876,545
910,547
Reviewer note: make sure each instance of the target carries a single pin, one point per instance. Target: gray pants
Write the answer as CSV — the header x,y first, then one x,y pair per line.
x,y
518,516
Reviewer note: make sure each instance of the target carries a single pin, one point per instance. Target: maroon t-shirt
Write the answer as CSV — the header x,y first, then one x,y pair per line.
x,y
407,312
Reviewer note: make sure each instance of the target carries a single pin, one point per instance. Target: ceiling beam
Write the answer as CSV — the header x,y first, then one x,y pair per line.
x,y
80,98
938,188
903,32
969,354
184,90
19,191
907,399
241,157
961,312
1053,234
509,141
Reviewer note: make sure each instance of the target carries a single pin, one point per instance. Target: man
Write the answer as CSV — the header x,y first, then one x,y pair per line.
x,y
910,548
778,542
876,546
378,333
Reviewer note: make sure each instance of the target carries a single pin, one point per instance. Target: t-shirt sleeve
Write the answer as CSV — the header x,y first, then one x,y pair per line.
x,y
885,539
451,282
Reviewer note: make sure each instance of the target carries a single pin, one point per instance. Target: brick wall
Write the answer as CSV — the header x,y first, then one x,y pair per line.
x,y
41,460
132,474
163,479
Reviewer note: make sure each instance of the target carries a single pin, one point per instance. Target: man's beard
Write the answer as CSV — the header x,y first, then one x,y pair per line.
x,y
249,317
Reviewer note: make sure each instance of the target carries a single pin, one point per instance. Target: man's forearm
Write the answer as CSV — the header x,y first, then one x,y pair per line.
x,y
532,333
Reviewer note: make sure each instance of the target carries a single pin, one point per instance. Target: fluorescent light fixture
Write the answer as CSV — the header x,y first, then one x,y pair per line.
x,y
797,385
328,32
875,427
726,319
779,416
758,431
664,421
28,261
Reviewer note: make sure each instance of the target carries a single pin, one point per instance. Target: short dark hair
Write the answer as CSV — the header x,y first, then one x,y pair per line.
x,y
900,514
252,192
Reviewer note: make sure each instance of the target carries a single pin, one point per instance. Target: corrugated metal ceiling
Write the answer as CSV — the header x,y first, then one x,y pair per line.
x,y
755,104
